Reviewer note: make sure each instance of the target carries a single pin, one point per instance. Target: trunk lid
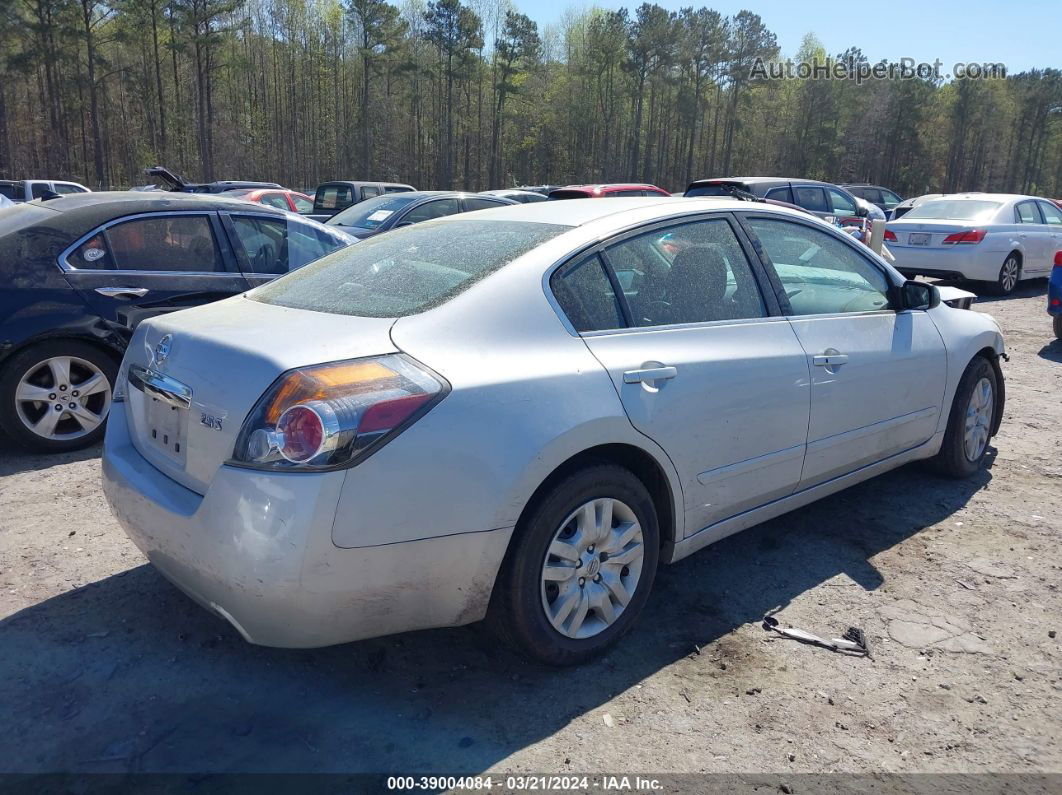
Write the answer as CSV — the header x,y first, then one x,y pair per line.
x,y
226,354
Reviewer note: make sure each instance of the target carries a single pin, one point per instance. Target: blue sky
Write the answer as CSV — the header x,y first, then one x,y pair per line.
x,y
1021,35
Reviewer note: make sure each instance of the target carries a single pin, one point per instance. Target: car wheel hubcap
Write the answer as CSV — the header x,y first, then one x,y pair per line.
x,y
592,568
1009,277
978,420
63,398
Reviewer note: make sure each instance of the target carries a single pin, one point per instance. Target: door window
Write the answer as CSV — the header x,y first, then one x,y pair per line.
x,y
369,191
66,187
820,273
397,189
274,245
275,200
334,197
39,189
780,194
889,199
183,243
625,193
1052,215
302,205
429,210
842,205
813,199
480,204
691,273
1027,213
585,294
93,254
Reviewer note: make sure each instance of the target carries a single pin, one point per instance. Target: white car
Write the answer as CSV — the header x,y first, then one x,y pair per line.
x,y
24,190
521,412
991,237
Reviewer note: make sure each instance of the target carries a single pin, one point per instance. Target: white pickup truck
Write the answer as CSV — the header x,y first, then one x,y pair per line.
x,y
24,190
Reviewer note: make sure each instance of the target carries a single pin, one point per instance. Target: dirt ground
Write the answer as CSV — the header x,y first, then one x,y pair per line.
x,y
104,667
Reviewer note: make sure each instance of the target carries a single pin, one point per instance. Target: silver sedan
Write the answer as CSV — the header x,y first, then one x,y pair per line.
x,y
521,413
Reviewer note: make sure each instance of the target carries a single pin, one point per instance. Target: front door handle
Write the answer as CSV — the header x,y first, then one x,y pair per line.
x,y
649,374
830,358
122,292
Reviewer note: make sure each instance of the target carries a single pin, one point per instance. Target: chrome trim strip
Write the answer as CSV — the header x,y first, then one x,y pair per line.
x,y
162,387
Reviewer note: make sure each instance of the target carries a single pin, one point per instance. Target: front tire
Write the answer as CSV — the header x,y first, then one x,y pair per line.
x,y
55,396
970,422
580,567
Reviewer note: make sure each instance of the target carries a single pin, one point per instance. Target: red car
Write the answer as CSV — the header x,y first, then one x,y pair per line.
x,y
280,198
607,191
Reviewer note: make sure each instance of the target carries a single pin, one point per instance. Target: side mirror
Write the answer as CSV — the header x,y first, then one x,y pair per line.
x,y
400,224
919,295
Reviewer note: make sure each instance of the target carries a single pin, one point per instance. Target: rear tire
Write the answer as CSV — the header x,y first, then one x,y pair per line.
x,y
1057,323
970,423
1009,275
565,609
83,402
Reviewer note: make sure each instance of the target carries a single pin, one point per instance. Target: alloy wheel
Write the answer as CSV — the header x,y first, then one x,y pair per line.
x,y
592,568
978,420
1008,276
63,398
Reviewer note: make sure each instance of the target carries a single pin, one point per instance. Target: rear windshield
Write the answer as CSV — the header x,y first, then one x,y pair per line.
x,y
717,189
955,210
371,213
408,270
13,192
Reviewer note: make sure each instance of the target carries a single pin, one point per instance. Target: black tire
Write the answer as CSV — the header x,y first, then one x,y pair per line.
x,y
517,613
23,362
1002,284
952,460
1056,321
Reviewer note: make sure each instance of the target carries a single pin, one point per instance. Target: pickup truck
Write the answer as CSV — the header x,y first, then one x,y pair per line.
x,y
24,190
333,197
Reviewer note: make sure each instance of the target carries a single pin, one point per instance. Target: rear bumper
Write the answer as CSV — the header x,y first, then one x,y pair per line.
x,y
257,550
1054,292
954,262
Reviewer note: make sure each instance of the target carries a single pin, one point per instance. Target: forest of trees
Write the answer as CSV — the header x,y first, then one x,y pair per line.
x,y
473,94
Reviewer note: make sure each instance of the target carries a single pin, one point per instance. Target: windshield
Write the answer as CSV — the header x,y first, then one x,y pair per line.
x,y
371,213
408,270
955,210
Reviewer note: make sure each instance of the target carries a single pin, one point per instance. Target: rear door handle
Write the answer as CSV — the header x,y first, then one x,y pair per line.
x,y
649,375
122,292
829,359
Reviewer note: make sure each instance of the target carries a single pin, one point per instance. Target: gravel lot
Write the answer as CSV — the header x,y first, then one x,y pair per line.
x,y
105,667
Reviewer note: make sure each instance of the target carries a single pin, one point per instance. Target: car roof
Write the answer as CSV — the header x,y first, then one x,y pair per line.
x,y
598,186
360,182
758,180
126,202
979,196
621,210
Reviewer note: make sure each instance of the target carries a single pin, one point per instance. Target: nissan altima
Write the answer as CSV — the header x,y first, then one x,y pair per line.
x,y
518,414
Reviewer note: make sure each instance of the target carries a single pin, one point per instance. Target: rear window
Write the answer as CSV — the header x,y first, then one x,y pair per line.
x,y
955,210
408,270
371,213
713,189
13,192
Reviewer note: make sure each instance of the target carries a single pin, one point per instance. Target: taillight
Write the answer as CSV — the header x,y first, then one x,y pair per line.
x,y
890,236
1058,259
333,415
969,236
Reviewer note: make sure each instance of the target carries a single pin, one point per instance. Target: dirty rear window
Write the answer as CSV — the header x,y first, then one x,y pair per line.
x,y
407,270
